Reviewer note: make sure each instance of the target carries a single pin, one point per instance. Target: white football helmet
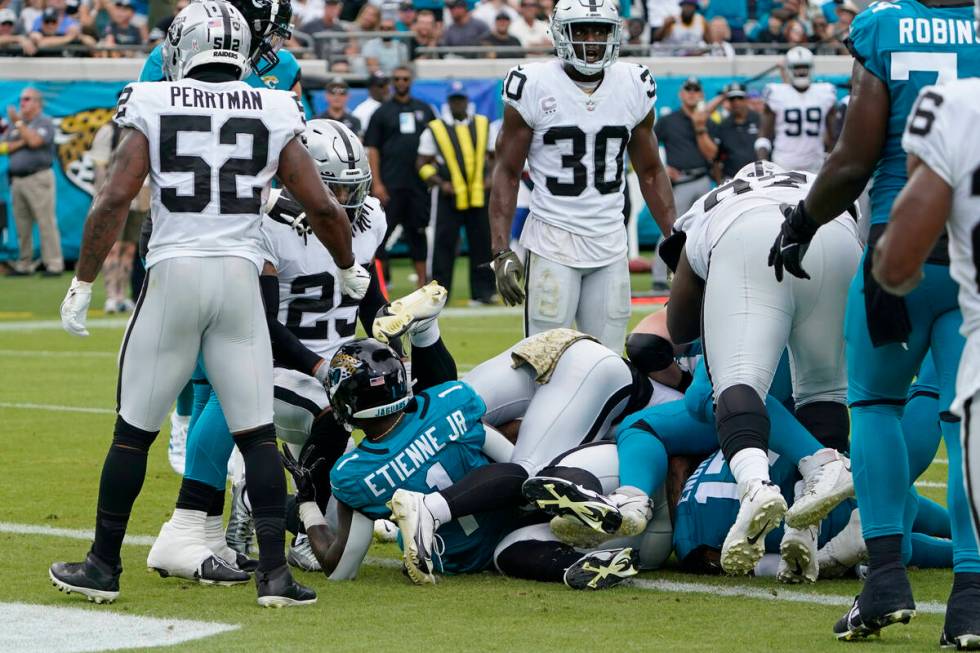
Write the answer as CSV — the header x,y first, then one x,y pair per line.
x,y
206,32
568,13
799,64
342,163
758,169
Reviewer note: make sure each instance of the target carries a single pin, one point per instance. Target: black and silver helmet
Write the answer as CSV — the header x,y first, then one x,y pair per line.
x,y
207,32
342,162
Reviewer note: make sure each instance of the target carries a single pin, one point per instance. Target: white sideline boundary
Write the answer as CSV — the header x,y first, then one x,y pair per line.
x,y
57,408
50,353
668,586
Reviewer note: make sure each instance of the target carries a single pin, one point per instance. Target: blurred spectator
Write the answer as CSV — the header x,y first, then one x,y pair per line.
x,y
734,13
55,30
121,31
406,17
392,139
384,53
30,11
500,36
719,38
55,11
687,28
12,40
341,65
329,21
30,144
368,19
488,10
351,9
425,34
771,33
636,32
530,30
658,11
464,30
831,10
688,146
378,88
337,97
100,17
163,25
795,32
845,16
736,134
305,11
455,155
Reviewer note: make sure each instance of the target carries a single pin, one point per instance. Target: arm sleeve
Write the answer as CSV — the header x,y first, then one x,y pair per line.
x,y
927,134
287,349
372,301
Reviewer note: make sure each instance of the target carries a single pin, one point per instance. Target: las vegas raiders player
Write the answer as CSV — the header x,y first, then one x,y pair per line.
x,y
204,258
573,118
796,125
944,187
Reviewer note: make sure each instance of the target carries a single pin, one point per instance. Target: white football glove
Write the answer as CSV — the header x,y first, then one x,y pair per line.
x,y
322,372
74,310
354,281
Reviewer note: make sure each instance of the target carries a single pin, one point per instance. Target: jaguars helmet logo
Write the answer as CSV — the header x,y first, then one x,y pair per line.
x,y
74,138
342,367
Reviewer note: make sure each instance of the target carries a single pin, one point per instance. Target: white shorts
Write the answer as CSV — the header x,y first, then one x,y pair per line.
x,y
750,318
191,305
299,399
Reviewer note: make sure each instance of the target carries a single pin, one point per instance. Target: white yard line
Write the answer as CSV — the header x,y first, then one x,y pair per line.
x,y
57,408
930,484
50,353
68,533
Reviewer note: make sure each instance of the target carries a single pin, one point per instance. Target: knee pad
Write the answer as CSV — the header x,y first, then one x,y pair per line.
x,y
263,435
741,420
127,436
575,475
649,352
828,421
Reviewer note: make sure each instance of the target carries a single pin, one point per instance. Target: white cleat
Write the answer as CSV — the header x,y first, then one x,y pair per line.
x,y
844,551
635,507
300,554
177,449
798,556
826,482
385,531
183,553
418,528
762,509
409,313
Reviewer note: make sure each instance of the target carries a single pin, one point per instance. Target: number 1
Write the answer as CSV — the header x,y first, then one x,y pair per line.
x,y
438,479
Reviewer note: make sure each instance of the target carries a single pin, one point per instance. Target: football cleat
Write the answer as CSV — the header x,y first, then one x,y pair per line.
x,y
885,599
845,550
562,498
798,556
94,579
177,449
961,630
418,528
573,532
761,510
826,482
277,589
385,531
241,527
220,548
635,507
300,554
599,570
410,313
182,553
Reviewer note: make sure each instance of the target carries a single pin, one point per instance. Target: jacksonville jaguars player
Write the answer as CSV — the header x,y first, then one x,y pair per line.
x,y
900,47
798,120
944,192
573,119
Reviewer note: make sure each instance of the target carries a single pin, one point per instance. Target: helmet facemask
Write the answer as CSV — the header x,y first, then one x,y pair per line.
x,y
350,188
587,56
800,76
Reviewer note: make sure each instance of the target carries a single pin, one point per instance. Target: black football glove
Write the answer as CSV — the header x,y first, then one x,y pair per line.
x,y
792,242
509,272
304,477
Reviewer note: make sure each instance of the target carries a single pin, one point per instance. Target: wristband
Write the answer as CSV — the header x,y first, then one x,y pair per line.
x,y
763,143
310,513
427,171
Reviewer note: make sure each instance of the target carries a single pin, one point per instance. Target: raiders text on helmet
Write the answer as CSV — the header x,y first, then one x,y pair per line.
x,y
203,33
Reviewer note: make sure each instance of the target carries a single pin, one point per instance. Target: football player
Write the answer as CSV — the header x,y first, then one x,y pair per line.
x,y
798,120
746,319
889,336
573,119
944,187
309,318
204,258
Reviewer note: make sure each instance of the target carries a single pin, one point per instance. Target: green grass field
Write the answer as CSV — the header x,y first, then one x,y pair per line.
x,y
56,401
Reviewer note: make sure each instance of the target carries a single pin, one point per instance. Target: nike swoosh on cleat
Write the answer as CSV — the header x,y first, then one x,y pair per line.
x,y
755,538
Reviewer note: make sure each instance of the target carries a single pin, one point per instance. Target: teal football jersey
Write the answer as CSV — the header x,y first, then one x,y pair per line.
x,y
282,77
439,441
908,46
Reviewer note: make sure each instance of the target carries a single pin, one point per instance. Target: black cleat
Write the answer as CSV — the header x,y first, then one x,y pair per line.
x,y
598,570
886,599
246,564
93,578
561,498
215,571
277,589
962,628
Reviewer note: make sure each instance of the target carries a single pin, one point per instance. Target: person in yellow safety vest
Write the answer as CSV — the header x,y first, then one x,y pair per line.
x,y
456,156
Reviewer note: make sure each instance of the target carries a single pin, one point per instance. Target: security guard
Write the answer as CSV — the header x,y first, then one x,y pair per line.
x,y
455,156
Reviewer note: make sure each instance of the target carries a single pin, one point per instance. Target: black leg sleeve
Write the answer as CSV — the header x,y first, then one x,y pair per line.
x,y
829,422
266,482
432,365
544,561
490,487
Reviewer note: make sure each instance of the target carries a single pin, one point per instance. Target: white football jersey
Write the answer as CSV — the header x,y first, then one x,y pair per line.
x,y
310,302
711,216
576,156
214,148
801,122
938,131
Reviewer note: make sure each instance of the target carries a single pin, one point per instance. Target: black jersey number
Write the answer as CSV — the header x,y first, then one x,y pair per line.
x,y
797,119
573,160
229,200
925,113
975,235
739,186
320,330
514,84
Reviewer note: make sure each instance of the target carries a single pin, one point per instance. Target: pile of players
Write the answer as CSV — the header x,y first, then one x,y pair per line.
x,y
558,459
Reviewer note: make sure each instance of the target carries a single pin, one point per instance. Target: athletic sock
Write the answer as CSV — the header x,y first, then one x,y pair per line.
x,y
438,507
217,505
884,552
267,492
195,495
424,334
190,520
748,465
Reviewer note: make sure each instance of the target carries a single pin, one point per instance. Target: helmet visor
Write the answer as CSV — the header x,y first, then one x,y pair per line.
x,y
350,194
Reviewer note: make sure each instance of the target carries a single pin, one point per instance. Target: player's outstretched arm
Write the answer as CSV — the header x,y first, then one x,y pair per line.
x,y
848,168
340,557
684,308
288,350
917,220
512,146
128,168
767,132
654,182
